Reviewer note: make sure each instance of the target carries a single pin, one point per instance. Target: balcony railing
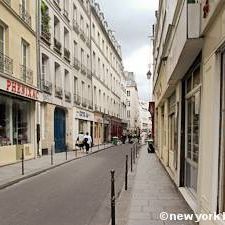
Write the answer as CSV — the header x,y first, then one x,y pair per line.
x,y
6,64
66,14
67,96
24,15
67,54
26,74
76,99
83,69
90,104
76,27
47,86
45,34
57,46
76,63
84,102
58,92
82,35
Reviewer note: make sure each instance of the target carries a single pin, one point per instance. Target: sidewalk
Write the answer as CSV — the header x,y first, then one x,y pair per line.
x,y
150,192
12,173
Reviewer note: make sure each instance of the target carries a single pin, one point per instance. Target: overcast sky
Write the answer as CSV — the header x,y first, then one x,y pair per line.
x,y
132,22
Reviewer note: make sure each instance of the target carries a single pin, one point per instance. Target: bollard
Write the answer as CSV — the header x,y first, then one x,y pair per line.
x,y
52,155
131,160
134,154
126,172
112,197
22,160
66,151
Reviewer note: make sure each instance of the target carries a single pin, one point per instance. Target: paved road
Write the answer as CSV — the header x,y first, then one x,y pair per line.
x,y
77,193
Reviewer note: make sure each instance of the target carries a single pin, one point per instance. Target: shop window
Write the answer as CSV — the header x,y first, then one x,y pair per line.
x,y
21,129
14,121
4,122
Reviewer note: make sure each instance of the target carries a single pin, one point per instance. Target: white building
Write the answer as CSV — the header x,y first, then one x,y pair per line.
x,y
132,103
145,119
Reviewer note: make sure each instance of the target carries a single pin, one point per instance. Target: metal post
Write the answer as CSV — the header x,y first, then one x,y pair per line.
x,y
134,153
126,172
22,161
131,160
112,197
66,152
52,154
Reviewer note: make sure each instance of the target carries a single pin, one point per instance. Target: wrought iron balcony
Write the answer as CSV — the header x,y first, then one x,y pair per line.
x,y
58,92
76,99
66,14
76,64
76,27
24,15
57,46
45,34
83,69
6,64
90,104
26,74
67,96
67,54
84,102
47,86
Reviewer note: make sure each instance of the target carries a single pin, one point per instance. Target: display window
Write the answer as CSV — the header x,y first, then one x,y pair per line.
x,y
14,121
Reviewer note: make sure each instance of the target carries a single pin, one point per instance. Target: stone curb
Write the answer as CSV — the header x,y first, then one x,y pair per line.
x,y
17,180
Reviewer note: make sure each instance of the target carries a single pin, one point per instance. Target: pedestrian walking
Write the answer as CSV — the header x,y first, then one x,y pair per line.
x,y
87,142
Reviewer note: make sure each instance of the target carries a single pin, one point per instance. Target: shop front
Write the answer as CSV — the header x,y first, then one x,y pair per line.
x,y
17,121
83,123
116,127
98,129
107,130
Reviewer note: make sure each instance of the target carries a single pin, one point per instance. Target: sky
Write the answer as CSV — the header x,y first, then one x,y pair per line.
x,y
132,22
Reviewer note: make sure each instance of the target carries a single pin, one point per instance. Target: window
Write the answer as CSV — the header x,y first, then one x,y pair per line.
x,y
128,93
44,68
87,30
56,29
66,8
81,22
67,81
66,38
14,121
75,50
94,62
74,13
128,103
128,113
93,30
82,89
98,39
2,48
58,81
99,68
88,61
82,56
24,47
75,85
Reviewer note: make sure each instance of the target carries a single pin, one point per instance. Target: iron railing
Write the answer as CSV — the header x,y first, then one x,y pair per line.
x,y
76,27
57,46
83,69
24,15
58,92
76,63
6,64
26,74
47,86
77,99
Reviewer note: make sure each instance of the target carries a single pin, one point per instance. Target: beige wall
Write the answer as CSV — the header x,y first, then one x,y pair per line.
x,y
16,30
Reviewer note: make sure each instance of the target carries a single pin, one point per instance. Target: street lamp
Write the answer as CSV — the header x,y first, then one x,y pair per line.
x,y
149,74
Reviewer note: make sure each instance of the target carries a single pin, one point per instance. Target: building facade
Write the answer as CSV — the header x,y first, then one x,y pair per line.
x,y
189,39
132,103
108,79
19,95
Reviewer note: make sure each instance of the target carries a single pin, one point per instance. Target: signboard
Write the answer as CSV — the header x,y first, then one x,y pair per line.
x,y
84,115
18,88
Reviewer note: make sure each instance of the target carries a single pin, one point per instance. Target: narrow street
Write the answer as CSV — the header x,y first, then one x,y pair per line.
x,y
77,193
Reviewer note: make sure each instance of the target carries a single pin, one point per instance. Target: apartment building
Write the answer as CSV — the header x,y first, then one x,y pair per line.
x,y
107,71
188,87
18,80
66,79
132,103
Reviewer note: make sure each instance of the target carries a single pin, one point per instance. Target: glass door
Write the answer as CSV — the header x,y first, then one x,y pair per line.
x,y
192,130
